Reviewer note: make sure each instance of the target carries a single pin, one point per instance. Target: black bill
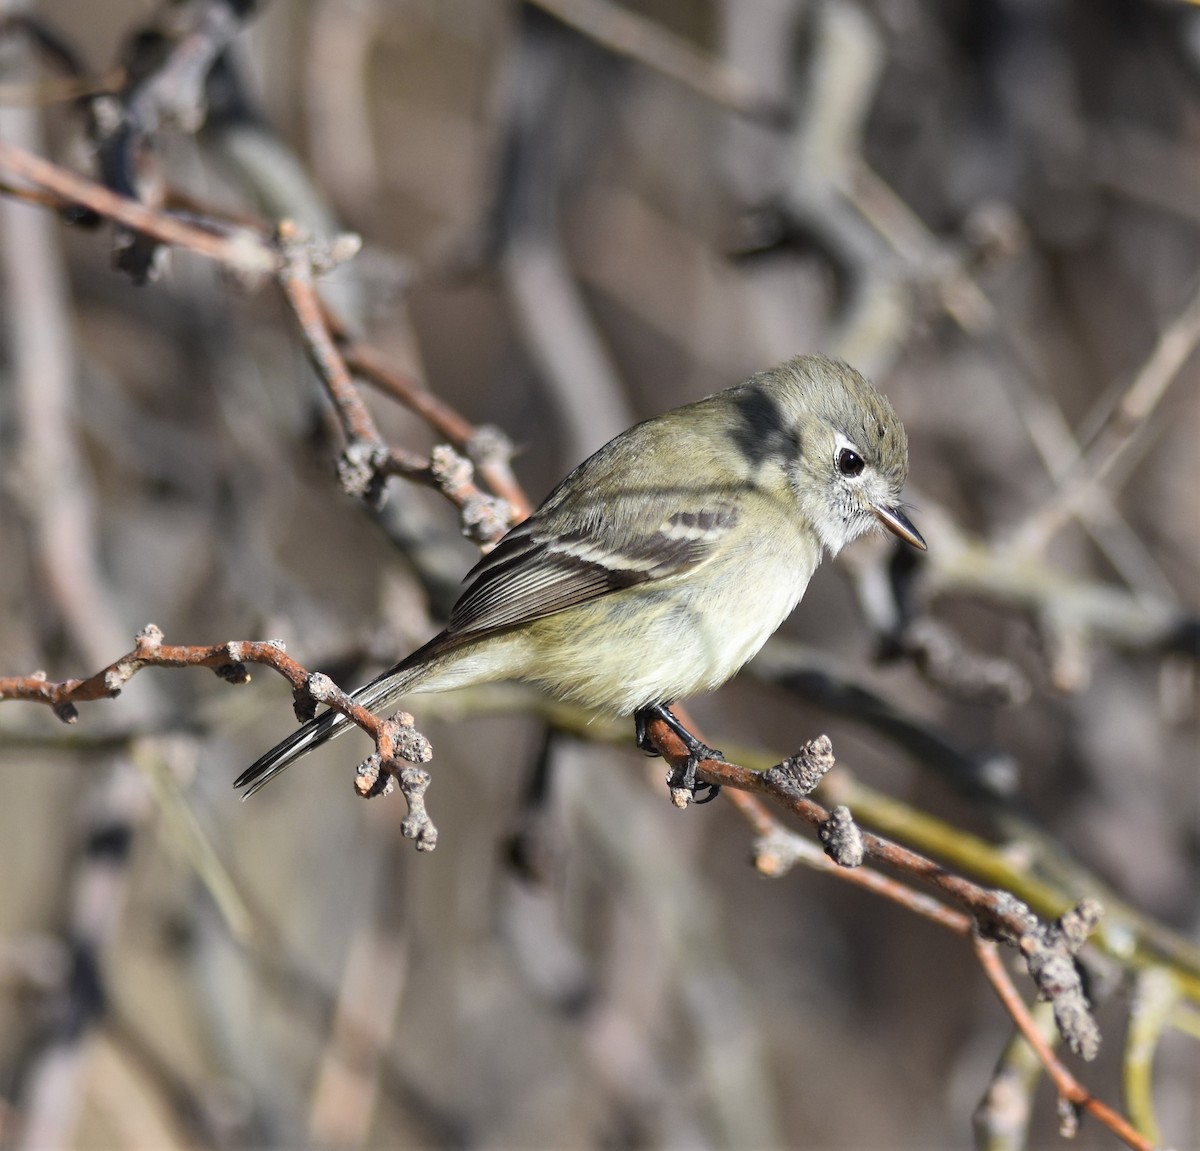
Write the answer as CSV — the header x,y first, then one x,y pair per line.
x,y
899,524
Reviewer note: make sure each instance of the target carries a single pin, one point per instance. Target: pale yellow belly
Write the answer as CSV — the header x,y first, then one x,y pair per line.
x,y
653,644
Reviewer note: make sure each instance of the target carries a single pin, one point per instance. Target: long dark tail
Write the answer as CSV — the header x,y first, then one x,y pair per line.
x,y
377,695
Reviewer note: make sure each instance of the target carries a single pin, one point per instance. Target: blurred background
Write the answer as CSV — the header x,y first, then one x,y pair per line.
x,y
576,214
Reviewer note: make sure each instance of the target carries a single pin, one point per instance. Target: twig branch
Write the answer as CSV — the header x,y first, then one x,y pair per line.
x,y
487,447
1001,911
778,848
1068,1087
398,746
294,260
361,468
1049,950
242,251
228,660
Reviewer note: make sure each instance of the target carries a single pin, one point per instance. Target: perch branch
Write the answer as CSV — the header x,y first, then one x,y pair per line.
x,y
1048,949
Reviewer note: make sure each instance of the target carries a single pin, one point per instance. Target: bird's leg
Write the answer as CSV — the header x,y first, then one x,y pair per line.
x,y
697,750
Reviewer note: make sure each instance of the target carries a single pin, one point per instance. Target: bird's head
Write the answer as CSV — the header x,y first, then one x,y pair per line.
x,y
850,457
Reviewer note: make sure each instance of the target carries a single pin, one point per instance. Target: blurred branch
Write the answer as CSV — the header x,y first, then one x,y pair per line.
x,y
629,34
837,79
194,1113
938,268
487,447
1149,168
352,1064
167,66
835,194
163,763
51,483
935,265
549,307
341,148
1001,1119
1126,425
1156,995
49,46
683,966
1070,612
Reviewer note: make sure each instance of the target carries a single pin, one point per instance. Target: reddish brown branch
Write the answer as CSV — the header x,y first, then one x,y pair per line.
x,y
228,660
632,35
488,448
1049,950
367,460
361,466
997,909
776,847
371,364
296,280
243,252
1064,1082
398,745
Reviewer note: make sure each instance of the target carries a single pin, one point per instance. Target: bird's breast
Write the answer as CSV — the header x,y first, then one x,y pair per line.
x,y
670,639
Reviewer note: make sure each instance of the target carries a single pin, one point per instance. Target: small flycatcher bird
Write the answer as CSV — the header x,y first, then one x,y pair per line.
x,y
662,563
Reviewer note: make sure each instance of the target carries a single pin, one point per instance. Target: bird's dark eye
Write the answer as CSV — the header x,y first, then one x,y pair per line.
x,y
849,462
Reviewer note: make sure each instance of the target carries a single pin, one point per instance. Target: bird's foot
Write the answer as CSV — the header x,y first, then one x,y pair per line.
x,y
683,782
683,778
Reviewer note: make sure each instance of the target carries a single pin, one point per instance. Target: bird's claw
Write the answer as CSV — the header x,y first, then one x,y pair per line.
x,y
684,778
680,779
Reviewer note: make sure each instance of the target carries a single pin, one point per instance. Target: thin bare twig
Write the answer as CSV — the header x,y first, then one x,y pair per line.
x,y
1048,949
296,280
227,660
398,745
777,849
367,460
361,466
242,251
1066,1084
487,447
